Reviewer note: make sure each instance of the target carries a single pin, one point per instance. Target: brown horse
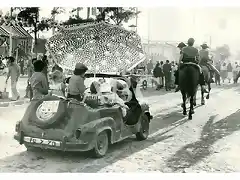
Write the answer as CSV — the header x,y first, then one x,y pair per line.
x,y
188,84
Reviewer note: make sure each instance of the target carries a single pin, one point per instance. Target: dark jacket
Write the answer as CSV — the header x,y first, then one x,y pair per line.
x,y
167,68
229,67
157,72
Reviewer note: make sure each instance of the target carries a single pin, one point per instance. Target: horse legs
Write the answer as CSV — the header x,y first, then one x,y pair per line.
x,y
184,97
209,89
191,110
195,99
202,98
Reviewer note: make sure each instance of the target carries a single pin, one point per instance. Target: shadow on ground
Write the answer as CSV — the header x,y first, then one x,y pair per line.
x,y
82,162
192,153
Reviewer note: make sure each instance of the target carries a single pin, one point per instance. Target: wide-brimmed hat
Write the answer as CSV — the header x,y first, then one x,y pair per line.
x,y
181,45
80,69
204,45
80,66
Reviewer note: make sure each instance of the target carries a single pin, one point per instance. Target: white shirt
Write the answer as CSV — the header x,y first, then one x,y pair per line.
x,y
235,68
224,68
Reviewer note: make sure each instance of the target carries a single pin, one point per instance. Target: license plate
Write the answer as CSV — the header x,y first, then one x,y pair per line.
x,y
42,141
50,106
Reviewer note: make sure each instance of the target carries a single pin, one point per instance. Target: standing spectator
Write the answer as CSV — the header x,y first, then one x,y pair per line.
x,y
229,72
167,74
30,67
150,67
174,69
217,77
14,73
21,64
235,72
162,76
157,73
224,71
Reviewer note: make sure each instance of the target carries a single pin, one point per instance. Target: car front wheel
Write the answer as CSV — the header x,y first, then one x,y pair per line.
x,y
144,130
101,144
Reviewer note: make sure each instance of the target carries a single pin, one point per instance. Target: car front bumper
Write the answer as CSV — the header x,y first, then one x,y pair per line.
x,y
63,145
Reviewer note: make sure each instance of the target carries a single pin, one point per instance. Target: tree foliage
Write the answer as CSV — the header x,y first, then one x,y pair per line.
x,y
113,15
116,15
75,20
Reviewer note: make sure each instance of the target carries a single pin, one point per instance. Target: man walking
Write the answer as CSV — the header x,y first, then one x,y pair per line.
x,y
167,74
162,76
14,73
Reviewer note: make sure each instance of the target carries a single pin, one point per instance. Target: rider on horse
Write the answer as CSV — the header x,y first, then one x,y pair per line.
x,y
189,54
205,60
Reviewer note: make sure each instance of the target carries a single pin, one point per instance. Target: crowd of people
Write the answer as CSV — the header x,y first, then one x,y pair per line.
x,y
41,82
163,75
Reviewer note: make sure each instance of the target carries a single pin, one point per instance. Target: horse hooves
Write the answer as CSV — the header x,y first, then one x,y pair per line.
x,y
202,103
193,112
184,113
207,97
190,118
194,104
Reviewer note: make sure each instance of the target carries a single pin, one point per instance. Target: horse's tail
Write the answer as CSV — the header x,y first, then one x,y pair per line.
x,y
189,80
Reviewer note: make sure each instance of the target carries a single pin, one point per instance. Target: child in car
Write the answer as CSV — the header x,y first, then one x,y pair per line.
x,y
57,86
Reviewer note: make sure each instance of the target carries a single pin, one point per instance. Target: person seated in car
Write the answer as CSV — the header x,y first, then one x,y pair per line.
x,y
123,90
57,86
108,95
38,81
76,87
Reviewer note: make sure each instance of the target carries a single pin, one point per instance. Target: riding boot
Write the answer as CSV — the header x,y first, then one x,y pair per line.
x,y
211,77
202,83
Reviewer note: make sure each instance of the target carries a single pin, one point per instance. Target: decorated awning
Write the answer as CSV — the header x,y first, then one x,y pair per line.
x,y
100,46
17,31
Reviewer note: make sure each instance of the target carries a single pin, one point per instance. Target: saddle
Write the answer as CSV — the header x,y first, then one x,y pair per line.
x,y
192,64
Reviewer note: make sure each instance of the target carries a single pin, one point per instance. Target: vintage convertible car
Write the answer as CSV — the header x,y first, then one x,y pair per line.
x,y
69,125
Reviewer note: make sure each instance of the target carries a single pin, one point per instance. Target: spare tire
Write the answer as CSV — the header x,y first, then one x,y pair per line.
x,y
44,119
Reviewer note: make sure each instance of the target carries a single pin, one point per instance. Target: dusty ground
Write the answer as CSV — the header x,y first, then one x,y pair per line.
x,y
209,142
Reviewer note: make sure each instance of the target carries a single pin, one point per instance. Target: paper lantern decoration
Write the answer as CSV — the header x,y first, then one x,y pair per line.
x,y
109,48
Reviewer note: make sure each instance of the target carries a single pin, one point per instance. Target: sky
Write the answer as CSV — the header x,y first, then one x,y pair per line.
x,y
220,24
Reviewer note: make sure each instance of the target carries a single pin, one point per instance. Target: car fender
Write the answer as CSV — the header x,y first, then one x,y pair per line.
x,y
145,109
99,125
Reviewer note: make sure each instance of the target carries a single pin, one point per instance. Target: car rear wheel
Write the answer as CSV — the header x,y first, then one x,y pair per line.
x,y
144,129
101,144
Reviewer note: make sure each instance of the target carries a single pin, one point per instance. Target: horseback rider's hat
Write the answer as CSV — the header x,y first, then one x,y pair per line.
x,y
181,45
204,46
